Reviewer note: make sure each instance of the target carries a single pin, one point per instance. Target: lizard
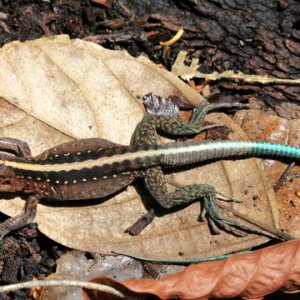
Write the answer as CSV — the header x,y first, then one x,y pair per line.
x,y
96,168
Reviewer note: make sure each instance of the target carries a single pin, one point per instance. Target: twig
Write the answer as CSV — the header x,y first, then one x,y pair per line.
x,y
75,283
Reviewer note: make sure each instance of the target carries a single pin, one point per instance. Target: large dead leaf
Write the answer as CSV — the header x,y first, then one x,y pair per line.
x,y
54,90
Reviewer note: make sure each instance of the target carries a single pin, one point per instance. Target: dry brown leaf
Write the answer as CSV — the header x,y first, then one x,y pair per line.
x,y
250,276
261,126
54,90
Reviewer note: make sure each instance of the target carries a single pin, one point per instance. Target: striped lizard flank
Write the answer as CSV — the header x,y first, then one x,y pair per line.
x,y
108,162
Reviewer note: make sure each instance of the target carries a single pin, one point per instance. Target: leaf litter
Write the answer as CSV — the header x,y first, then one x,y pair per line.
x,y
61,89
55,90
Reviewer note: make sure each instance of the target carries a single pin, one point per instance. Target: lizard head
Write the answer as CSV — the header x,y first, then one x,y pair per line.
x,y
7,178
9,182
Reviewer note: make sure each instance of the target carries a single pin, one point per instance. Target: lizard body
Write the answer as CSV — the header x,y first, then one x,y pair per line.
x,y
95,168
69,169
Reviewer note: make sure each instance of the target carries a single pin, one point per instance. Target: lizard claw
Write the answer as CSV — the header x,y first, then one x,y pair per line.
x,y
217,219
227,198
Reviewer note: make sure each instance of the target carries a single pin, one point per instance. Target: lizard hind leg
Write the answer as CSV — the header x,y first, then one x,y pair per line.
x,y
202,110
156,185
146,131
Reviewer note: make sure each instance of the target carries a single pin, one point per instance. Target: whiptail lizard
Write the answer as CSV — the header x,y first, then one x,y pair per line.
x,y
95,168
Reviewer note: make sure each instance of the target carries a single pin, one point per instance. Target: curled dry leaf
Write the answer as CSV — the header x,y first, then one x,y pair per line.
x,y
55,90
250,276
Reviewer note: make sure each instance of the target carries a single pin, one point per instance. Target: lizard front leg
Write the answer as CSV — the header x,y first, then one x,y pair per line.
x,y
22,219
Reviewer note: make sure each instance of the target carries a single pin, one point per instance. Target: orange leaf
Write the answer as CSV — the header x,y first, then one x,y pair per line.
x,y
250,276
